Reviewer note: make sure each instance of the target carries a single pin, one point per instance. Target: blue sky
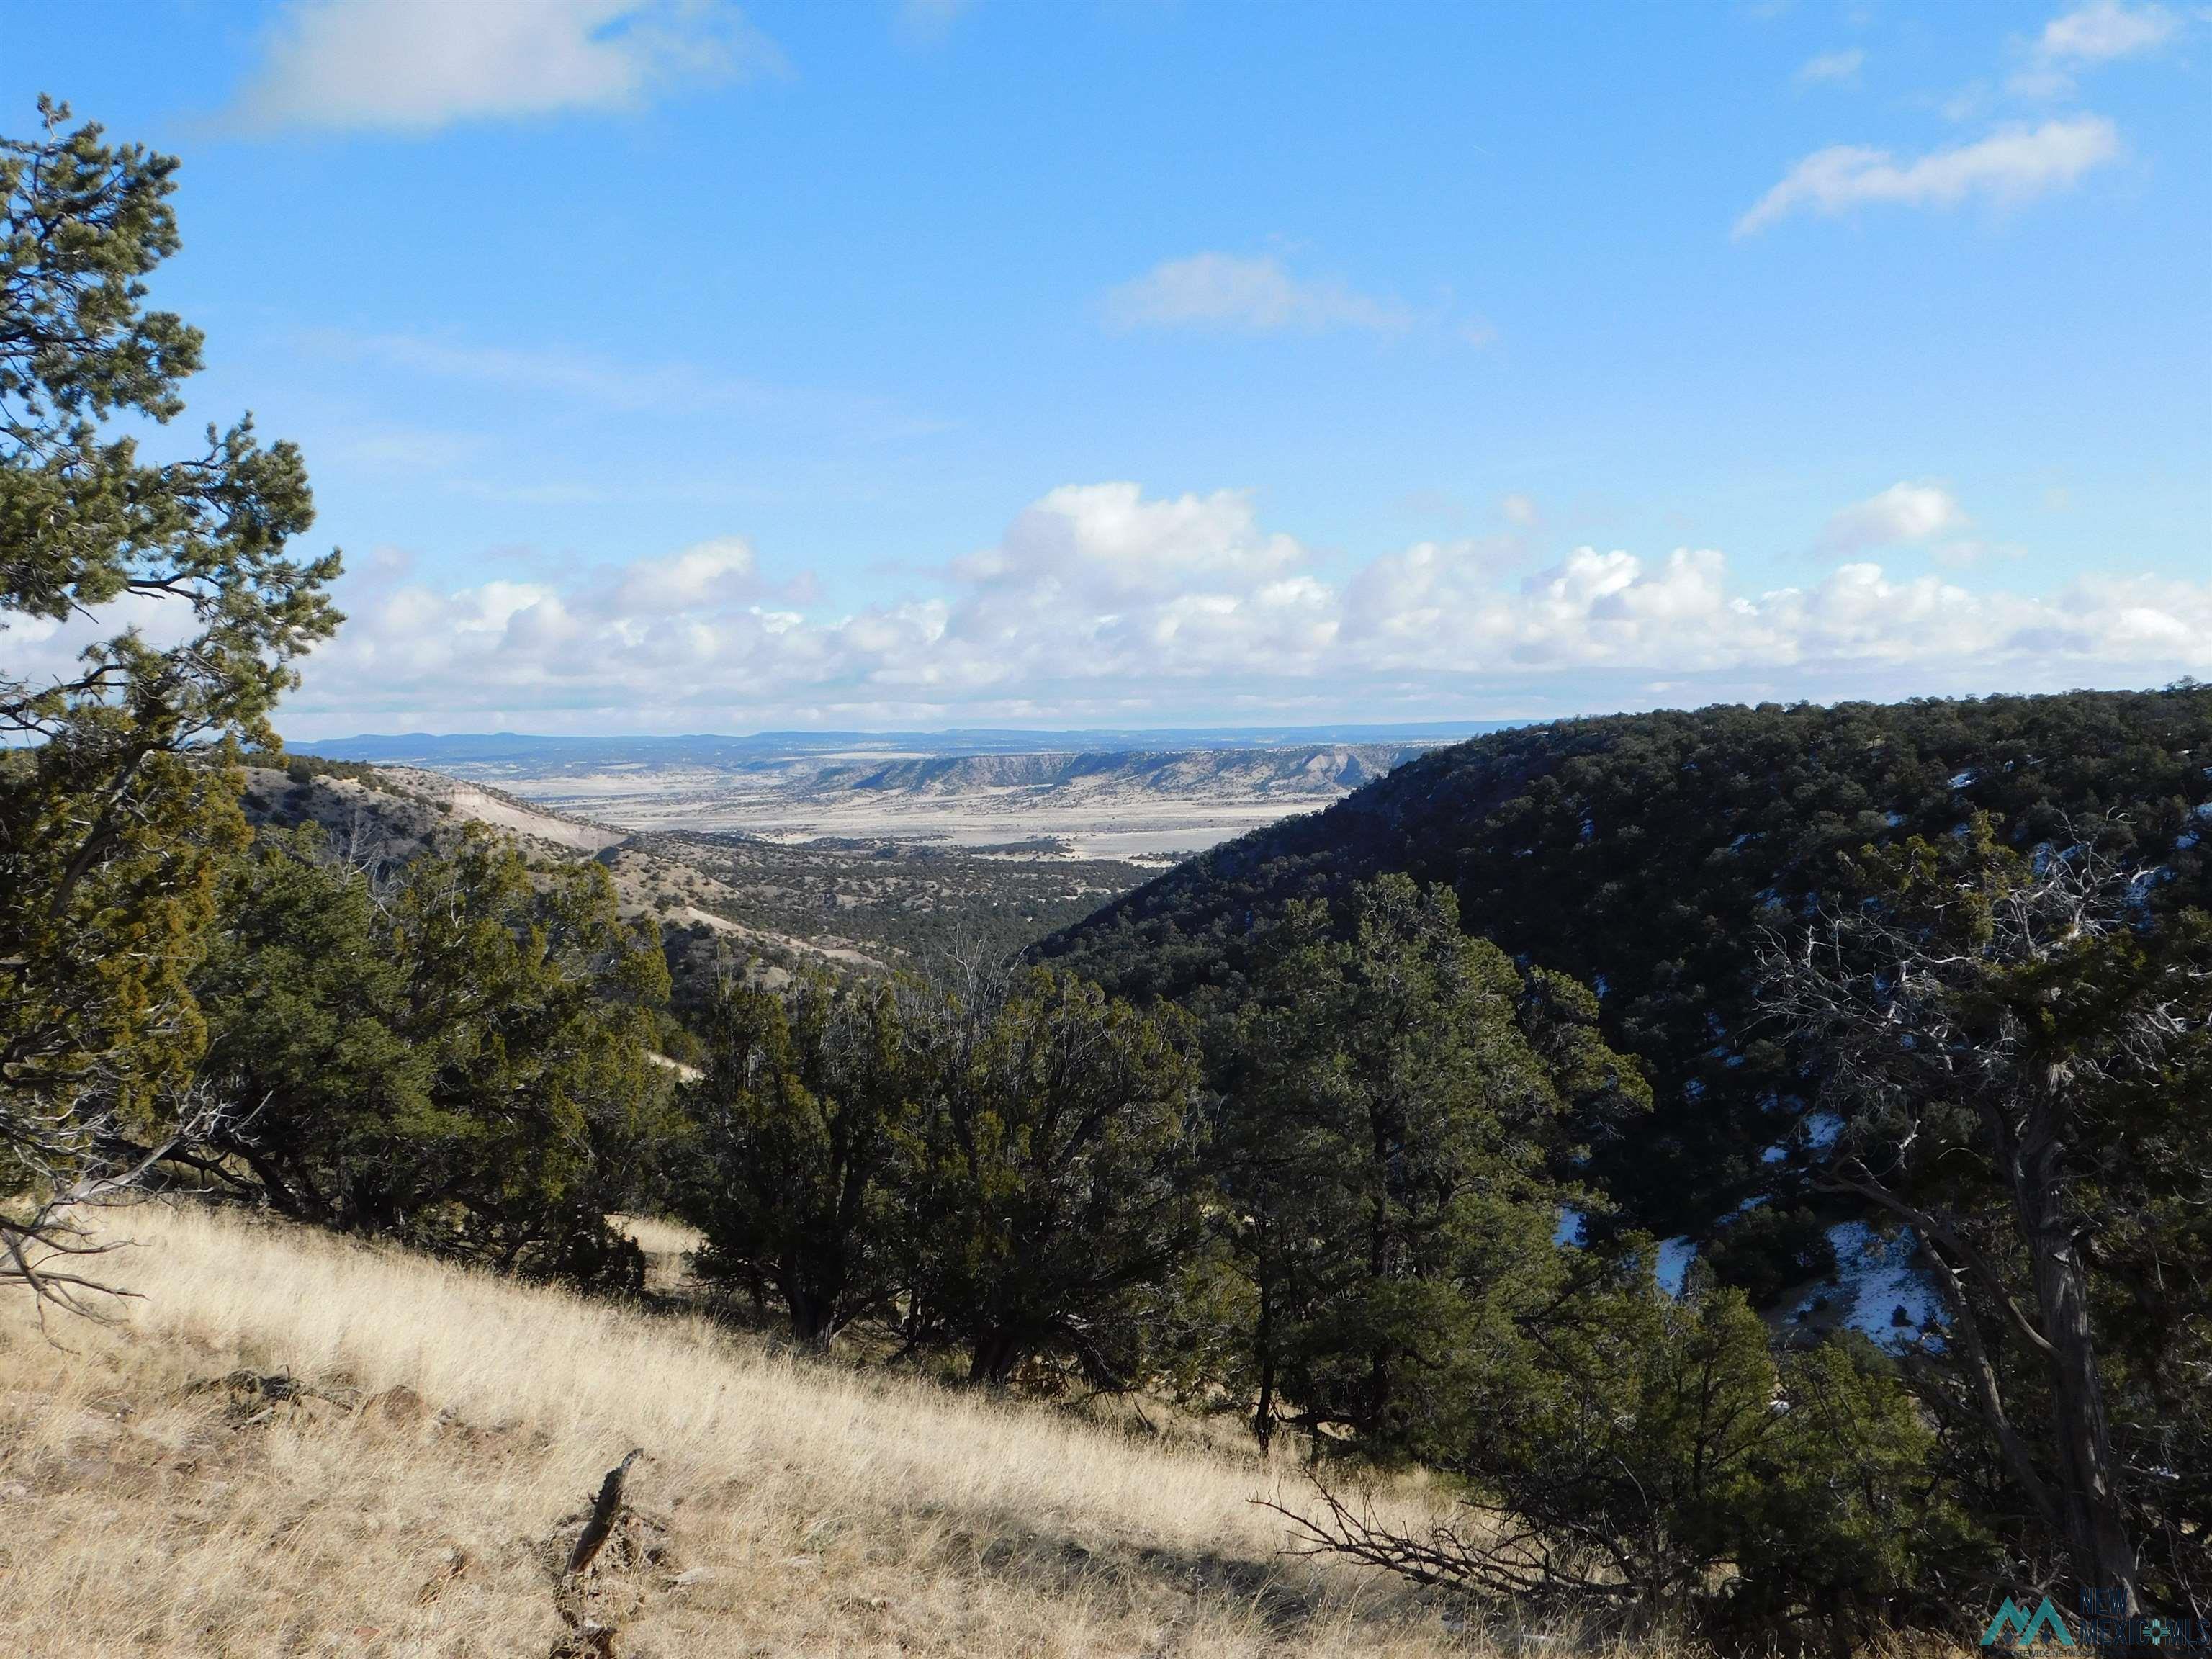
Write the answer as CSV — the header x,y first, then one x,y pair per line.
x,y
682,368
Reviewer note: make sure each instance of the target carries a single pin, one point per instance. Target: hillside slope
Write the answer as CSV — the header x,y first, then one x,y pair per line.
x,y
1648,855
721,901
296,1444
390,814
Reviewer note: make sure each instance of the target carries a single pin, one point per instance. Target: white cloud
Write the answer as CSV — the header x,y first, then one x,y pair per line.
x,y
1902,514
1519,509
2098,33
1106,539
2010,165
1258,294
2082,38
694,579
1831,68
416,65
1102,603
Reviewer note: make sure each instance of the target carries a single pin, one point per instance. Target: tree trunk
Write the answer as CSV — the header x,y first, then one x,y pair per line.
x,y
1981,1377
998,1352
812,1322
1263,1414
2088,1474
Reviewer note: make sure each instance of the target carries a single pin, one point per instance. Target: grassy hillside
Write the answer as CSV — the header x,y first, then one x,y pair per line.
x,y
1648,855
162,1495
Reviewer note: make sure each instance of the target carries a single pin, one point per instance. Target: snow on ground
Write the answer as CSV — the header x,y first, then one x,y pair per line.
x,y
1876,1275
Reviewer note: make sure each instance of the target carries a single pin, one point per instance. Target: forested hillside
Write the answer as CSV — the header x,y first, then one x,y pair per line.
x,y
1647,854
1299,1142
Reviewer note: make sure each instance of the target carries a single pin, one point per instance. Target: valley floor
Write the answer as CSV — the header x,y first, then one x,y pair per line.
x,y
164,1490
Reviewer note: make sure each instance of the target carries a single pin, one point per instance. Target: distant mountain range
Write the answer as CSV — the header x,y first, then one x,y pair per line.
x,y
511,752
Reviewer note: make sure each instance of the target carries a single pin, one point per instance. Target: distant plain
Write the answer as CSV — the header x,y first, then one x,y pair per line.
x,y
1148,799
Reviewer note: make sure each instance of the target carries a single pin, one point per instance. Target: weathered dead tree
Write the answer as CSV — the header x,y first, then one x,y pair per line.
x,y
46,1248
1979,1019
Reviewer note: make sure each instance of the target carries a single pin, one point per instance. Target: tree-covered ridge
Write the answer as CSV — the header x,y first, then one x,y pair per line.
x,y
1945,969
1646,855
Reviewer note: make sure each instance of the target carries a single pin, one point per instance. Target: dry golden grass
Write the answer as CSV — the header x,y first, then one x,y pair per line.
x,y
788,1507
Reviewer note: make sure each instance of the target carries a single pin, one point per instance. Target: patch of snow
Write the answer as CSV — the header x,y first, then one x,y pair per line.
x,y
1572,1229
1879,1275
1672,1268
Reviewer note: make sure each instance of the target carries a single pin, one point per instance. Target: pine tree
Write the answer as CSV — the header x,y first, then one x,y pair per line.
x,y
1403,1105
113,821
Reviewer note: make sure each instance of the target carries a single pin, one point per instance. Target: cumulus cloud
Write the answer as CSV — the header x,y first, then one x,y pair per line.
x,y
1905,515
704,575
1257,296
1101,602
39,651
413,66
2012,165
1831,68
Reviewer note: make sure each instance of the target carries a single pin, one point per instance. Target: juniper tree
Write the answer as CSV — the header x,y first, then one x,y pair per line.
x,y
789,1172
460,1061
1050,1198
